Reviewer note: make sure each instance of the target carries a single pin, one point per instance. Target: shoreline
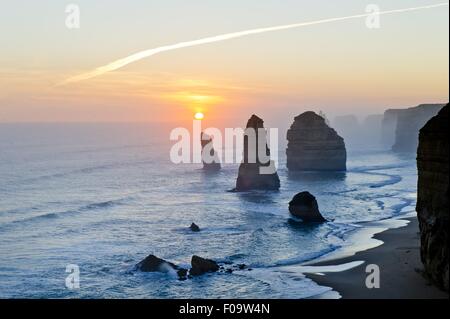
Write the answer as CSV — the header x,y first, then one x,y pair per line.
x,y
398,256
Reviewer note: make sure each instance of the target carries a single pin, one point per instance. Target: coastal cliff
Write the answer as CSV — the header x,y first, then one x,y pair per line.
x,y
313,145
401,126
433,197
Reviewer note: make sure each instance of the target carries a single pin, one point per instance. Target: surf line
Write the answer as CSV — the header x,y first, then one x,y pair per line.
x,y
223,37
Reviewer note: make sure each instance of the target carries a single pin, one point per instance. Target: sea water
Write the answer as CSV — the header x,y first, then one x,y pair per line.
x,y
105,196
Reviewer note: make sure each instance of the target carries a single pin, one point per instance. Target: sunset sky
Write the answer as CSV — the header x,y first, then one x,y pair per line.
x,y
339,68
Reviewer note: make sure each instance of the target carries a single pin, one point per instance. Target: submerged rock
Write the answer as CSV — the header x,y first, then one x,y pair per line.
x,y
314,146
151,263
304,205
201,266
255,172
194,227
433,197
210,159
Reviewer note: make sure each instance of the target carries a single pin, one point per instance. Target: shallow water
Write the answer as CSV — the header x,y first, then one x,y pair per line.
x,y
103,199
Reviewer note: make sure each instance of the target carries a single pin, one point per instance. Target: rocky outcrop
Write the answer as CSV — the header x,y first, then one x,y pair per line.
x,y
194,227
255,172
304,206
401,126
433,197
201,266
152,263
210,159
314,146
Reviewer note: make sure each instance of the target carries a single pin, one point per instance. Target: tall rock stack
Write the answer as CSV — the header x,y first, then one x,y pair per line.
x,y
250,174
314,146
210,159
433,197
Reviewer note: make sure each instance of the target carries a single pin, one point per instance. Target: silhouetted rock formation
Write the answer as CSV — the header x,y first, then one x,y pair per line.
x,y
201,266
402,125
152,263
194,227
433,197
304,205
210,159
250,175
388,126
313,145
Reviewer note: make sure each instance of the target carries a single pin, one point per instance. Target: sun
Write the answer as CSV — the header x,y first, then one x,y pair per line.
x,y
199,116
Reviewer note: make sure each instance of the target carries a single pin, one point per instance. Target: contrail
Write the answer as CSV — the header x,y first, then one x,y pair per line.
x,y
148,53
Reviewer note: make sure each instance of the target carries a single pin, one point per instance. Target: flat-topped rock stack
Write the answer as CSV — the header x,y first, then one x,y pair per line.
x,y
250,174
314,146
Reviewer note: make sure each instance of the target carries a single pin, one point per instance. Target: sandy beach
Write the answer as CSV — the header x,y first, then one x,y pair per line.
x,y
400,269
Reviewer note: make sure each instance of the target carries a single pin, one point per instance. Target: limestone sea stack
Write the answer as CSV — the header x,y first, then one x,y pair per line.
x,y
433,197
314,146
210,159
254,172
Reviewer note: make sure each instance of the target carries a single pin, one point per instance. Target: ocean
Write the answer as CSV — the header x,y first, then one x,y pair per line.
x,y
104,196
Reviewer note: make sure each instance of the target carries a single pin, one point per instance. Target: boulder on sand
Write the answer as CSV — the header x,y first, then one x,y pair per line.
x,y
304,205
201,266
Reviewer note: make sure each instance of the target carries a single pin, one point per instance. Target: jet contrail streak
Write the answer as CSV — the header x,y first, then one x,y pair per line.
x,y
148,53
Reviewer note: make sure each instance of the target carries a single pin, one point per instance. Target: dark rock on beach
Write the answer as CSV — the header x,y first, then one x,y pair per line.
x,y
314,146
210,159
251,171
304,205
194,227
433,197
201,266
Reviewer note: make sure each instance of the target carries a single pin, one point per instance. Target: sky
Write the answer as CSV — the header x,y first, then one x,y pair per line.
x,y
338,68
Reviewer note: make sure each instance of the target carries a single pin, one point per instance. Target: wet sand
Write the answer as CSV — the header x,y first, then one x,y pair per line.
x,y
400,269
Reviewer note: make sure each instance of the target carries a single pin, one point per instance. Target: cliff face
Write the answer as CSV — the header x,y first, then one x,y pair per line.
x,y
406,124
433,197
250,172
313,145
388,126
